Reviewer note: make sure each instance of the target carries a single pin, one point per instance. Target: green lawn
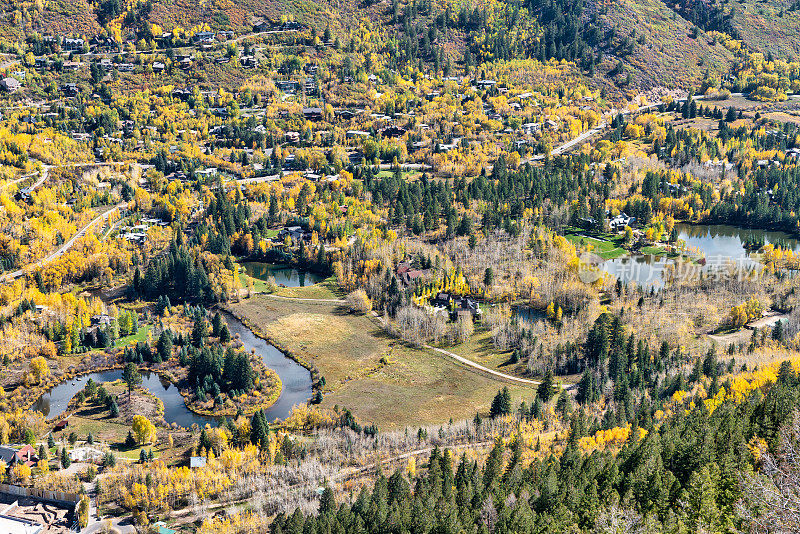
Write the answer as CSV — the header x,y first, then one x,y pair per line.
x,y
654,251
326,289
607,246
407,175
660,251
140,335
259,286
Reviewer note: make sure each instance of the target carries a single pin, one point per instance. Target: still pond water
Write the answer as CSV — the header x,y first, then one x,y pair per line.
x,y
284,275
295,378
720,245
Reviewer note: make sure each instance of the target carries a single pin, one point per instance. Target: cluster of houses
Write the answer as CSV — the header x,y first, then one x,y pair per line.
x,y
23,455
138,233
443,302
455,306
388,126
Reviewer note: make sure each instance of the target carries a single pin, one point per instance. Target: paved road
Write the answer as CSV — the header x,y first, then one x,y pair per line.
x,y
45,173
18,180
63,248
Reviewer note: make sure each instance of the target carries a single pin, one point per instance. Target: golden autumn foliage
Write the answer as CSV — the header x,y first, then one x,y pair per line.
x,y
143,429
168,486
612,438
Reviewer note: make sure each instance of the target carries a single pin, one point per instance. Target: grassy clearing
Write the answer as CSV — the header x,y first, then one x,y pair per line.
x,y
140,335
327,289
654,250
379,378
258,285
479,349
607,246
407,175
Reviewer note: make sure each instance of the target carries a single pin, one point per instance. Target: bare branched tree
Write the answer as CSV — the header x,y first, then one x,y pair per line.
x,y
771,497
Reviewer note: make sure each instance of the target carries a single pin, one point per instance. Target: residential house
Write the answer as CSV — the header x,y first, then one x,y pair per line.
x,y
354,134
393,131
261,27
181,94
25,195
24,455
456,305
10,84
72,44
312,114
345,114
203,37
621,221
294,233
288,86
407,274
531,128
101,319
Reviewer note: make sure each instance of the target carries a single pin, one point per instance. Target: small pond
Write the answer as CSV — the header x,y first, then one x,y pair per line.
x,y
296,381
720,244
284,275
527,316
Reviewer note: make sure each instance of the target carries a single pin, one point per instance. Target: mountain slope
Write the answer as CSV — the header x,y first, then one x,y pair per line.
x,y
661,45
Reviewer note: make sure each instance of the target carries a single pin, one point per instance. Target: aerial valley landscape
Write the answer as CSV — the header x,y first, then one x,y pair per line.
x,y
400,266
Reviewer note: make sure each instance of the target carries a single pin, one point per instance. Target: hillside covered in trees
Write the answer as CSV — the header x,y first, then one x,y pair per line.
x,y
404,266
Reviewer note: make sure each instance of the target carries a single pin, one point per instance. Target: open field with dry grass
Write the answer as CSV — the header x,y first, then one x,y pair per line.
x,y
379,378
